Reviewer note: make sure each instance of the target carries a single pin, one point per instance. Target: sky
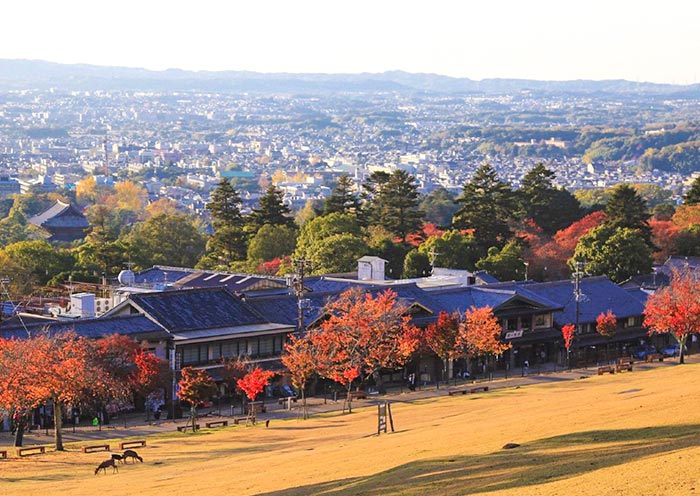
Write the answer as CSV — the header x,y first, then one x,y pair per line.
x,y
643,40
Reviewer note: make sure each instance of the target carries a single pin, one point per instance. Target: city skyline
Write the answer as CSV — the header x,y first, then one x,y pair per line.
x,y
506,39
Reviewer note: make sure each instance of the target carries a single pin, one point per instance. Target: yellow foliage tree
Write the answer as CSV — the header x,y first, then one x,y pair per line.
x,y
86,190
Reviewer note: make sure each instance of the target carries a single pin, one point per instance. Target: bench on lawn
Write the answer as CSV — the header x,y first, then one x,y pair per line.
x,y
654,356
623,366
624,360
606,369
217,423
95,447
478,388
286,399
32,450
183,428
138,443
357,395
3,453
243,420
457,391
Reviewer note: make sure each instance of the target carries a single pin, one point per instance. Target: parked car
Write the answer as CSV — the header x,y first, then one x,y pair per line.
x,y
641,352
672,350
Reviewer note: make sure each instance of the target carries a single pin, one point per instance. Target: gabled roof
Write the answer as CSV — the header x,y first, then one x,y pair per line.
x,y
502,296
599,295
60,215
193,309
161,274
128,325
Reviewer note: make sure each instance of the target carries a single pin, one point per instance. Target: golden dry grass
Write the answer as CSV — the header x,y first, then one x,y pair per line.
x,y
631,433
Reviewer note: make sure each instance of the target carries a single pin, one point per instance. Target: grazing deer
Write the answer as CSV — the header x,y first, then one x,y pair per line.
x,y
117,458
131,454
105,464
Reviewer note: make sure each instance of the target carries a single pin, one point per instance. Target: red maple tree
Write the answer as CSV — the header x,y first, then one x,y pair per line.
x,y
441,338
300,357
675,309
480,333
606,324
361,334
254,382
568,332
195,387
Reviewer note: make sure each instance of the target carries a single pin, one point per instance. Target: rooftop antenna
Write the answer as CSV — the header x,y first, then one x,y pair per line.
x,y
432,255
4,281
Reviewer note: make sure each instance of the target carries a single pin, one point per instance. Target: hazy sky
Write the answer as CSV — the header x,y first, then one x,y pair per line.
x,y
539,39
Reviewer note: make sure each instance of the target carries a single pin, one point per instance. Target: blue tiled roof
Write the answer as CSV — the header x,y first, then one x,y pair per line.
x,y
158,274
128,325
190,309
599,295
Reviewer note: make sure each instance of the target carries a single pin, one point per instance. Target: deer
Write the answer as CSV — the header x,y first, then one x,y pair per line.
x,y
117,458
105,464
131,454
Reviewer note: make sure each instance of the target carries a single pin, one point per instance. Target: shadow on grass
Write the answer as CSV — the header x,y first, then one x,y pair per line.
x,y
539,462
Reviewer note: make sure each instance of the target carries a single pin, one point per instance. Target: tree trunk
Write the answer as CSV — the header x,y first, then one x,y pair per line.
x,y
19,433
304,410
193,418
58,423
681,352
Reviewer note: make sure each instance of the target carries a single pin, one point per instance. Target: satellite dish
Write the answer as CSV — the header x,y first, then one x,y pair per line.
x,y
126,277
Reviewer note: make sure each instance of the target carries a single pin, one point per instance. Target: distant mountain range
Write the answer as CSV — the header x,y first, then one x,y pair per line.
x,y
34,74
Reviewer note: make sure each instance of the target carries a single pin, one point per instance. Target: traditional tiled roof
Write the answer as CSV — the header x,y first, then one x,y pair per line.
x,y
599,294
128,325
191,309
159,274
60,215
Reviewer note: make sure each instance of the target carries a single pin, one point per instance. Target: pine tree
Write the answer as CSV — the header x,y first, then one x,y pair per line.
x,y
692,196
229,241
552,209
271,210
395,205
488,207
342,199
626,209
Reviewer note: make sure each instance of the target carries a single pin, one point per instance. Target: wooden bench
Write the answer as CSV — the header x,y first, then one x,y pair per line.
x,y
654,356
357,395
32,450
243,420
182,428
623,367
285,399
478,388
217,423
606,368
457,391
139,443
3,453
95,447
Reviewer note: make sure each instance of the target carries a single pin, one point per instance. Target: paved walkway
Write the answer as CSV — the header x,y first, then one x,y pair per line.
x,y
134,425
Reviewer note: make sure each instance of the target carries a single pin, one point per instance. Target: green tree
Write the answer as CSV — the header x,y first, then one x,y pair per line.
x,y
692,196
439,207
626,209
272,242
487,206
551,208
395,205
617,252
416,264
41,259
452,250
228,243
336,253
320,228
166,239
343,198
506,264
271,210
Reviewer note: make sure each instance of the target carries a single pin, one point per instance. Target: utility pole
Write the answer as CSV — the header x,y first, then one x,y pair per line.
x,y
578,296
296,282
432,254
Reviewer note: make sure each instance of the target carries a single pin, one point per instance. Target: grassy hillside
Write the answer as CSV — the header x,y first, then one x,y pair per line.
x,y
615,434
